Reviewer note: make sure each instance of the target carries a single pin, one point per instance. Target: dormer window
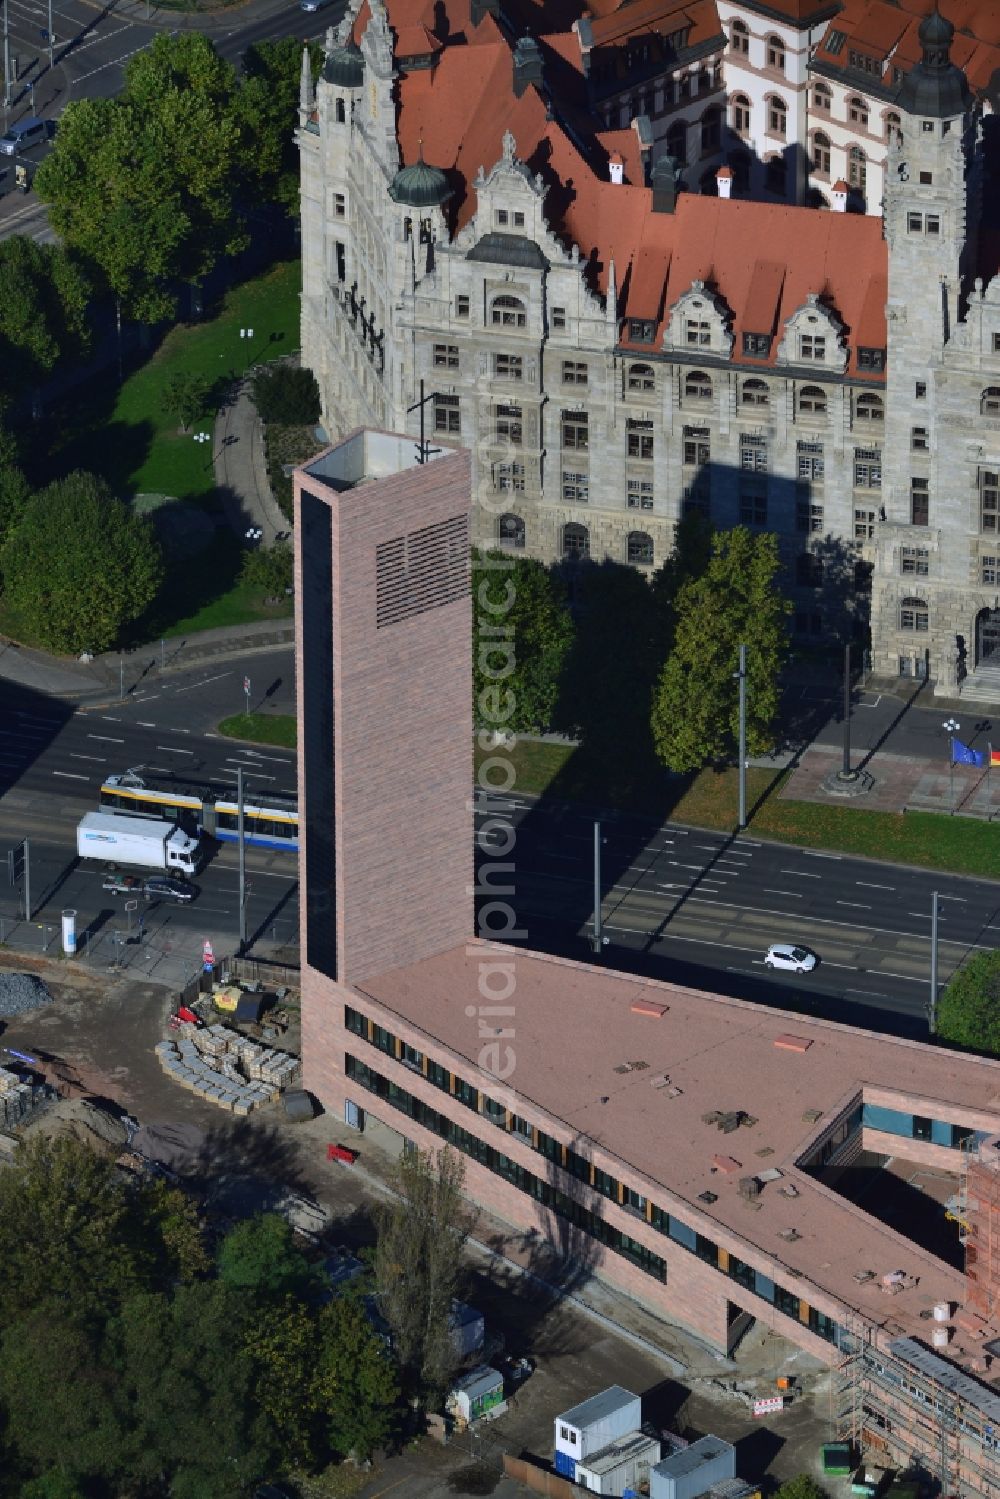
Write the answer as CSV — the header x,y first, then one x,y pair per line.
x,y
641,330
871,359
812,346
756,345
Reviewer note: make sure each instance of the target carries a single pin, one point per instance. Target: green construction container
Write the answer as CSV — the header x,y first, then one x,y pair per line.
x,y
836,1458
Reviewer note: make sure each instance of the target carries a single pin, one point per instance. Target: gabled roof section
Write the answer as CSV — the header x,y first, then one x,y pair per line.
x,y
647,284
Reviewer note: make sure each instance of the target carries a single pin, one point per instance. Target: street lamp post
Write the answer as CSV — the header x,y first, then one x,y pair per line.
x,y
951,726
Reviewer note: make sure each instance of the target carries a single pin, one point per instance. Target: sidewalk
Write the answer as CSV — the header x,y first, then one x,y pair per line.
x,y
241,470
112,677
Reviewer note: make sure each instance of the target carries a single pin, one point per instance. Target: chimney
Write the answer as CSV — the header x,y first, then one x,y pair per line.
x,y
665,185
839,195
616,169
528,65
724,182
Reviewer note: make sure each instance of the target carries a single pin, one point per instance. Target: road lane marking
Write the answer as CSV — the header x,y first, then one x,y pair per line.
x,y
953,897
812,854
144,724
174,749
70,775
100,759
205,680
801,874
869,886
856,904
788,894
108,738
111,717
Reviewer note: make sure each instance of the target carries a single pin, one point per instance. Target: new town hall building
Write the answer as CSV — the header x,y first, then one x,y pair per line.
x,y
562,241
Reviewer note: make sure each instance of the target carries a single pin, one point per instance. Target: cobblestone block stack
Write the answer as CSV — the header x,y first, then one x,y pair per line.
x,y
227,1069
17,1098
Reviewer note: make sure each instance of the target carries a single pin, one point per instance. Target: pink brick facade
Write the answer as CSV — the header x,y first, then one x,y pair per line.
x,y
402,696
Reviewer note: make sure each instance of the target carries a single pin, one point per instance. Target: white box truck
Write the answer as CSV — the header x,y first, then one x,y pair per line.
x,y
117,838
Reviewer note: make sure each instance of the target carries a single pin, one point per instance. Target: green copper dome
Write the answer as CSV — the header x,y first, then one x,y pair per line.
x,y
345,66
420,186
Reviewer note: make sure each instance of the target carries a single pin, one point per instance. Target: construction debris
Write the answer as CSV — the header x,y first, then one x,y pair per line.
x,y
19,1097
225,1068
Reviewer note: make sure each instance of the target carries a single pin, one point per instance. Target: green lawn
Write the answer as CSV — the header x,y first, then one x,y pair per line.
x,y
710,800
125,434
261,728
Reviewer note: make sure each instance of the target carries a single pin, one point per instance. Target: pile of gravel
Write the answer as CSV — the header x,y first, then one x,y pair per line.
x,y
21,992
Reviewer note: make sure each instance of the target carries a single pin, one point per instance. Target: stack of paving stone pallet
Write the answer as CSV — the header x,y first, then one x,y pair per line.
x,y
227,1069
17,1098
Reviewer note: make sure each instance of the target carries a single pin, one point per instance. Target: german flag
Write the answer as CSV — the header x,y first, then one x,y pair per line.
x,y
994,756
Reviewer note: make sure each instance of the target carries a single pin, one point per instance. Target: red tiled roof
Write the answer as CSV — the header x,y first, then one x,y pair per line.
x,y
762,259
886,28
660,16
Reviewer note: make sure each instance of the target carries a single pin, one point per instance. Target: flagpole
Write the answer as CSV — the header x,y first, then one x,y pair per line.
x,y
989,772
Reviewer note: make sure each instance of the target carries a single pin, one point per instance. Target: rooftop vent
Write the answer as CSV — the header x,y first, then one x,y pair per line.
x,y
788,1042
648,1007
709,1197
749,1187
790,1235
812,1116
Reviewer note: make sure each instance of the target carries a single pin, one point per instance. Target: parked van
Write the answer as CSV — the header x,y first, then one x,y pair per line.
x,y
23,135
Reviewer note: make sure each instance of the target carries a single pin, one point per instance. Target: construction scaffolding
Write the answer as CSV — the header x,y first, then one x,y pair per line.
x,y
980,1208
910,1409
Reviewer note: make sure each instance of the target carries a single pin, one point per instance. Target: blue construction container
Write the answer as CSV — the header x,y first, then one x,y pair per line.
x,y
565,1465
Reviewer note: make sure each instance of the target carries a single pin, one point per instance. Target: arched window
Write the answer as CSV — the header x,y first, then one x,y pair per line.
x,y
754,393
739,38
857,168
990,403
869,408
822,96
339,112
776,176
812,401
777,116
697,386
677,141
914,615
510,531
508,312
711,130
808,570
776,54
741,114
639,550
575,540
821,154
893,124
640,377
857,111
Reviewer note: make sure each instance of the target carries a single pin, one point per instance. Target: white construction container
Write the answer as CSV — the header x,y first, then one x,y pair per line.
x,y
594,1424
687,1474
942,1311
477,1396
624,1464
468,1329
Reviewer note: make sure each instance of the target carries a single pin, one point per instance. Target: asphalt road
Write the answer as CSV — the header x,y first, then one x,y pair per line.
x,y
701,908
678,903
52,761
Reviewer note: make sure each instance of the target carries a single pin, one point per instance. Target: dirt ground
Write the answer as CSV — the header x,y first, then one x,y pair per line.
x,y
98,1037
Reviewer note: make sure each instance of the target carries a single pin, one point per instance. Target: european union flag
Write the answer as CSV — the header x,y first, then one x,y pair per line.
x,y
961,754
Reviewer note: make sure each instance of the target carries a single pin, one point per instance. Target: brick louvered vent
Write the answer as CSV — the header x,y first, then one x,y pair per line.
x,y
422,570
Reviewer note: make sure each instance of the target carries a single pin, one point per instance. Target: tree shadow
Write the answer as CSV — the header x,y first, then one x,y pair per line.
x,y
190,584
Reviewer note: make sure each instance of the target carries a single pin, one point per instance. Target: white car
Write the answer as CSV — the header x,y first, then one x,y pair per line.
x,y
794,959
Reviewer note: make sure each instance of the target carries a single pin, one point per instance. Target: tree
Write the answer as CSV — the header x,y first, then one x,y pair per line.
x,y
43,312
80,567
802,1486
268,105
15,493
969,1009
287,396
522,631
259,1256
356,1383
186,396
146,186
421,1232
695,717
283,1343
270,568
183,1394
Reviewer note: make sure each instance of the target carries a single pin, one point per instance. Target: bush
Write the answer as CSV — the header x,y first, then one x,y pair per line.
x,y
287,396
271,570
968,1011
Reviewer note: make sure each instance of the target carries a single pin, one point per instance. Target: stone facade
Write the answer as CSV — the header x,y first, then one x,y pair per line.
x,y
585,443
